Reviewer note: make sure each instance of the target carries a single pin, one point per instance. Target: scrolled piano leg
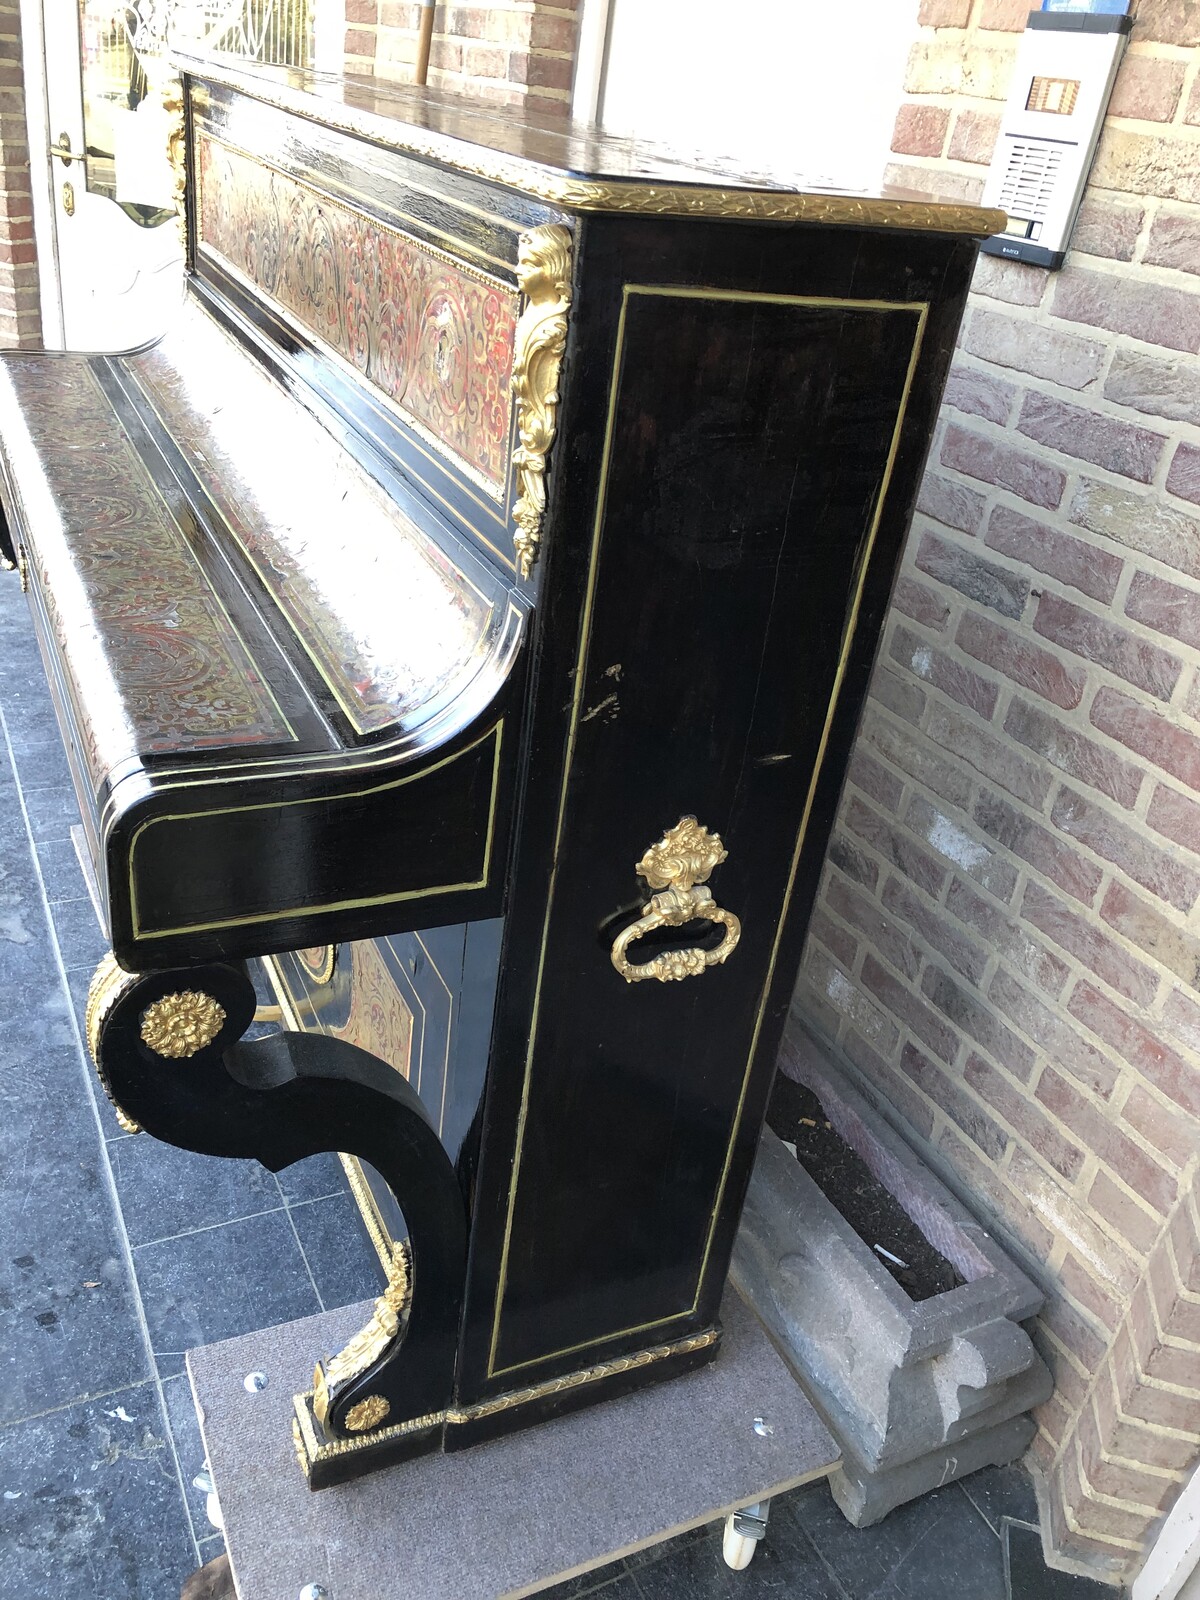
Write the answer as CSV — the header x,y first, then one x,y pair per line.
x,y
167,1047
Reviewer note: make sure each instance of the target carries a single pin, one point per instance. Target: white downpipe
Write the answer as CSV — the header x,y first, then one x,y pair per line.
x,y
37,127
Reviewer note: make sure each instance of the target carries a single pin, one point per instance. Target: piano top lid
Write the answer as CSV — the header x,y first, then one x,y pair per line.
x,y
576,165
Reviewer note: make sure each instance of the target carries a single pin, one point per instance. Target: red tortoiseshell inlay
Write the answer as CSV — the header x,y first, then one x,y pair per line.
x,y
435,338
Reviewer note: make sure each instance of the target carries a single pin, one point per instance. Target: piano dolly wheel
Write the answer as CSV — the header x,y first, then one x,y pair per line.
x,y
744,1530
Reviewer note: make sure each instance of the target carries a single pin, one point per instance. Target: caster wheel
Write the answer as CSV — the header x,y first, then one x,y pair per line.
x,y
737,1549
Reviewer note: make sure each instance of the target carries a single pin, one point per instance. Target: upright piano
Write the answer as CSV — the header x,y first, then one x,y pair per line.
x,y
466,609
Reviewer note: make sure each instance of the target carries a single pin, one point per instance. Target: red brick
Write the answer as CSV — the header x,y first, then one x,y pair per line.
x,y
1120,447
1165,607
1184,477
910,1010
1107,226
1162,388
1171,748
986,582
921,603
1096,639
1175,239
541,71
485,61
992,462
1149,311
963,954
362,11
1176,816
360,43
1008,280
894,1089
1160,871
914,757
966,850
971,1117
950,502
851,860
554,33
1022,1114
1040,848
943,672
974,136
944,13
875,780
1007,938
1020,659
1145,925
1074,753
1060,555
1147,88
972,391
1089,1291
837,941
993,757
881,933
1088,944
920,129
1160,1125
1142,522
1104,1139
1135,1222
1009,15
1070,361
901,696
994,1195
1168,22
893,845
1163,1068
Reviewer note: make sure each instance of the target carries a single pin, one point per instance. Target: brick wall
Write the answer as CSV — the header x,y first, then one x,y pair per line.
x,y
20,319
1007,942
514,52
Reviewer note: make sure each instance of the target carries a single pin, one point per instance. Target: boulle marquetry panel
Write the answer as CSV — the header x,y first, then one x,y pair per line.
x,y
434,335
542,496
140,603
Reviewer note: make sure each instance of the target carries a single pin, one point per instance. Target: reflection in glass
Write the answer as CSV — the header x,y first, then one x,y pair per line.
x,y
123,57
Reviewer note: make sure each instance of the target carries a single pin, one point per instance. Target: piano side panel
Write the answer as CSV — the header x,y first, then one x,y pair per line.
x,y
756,448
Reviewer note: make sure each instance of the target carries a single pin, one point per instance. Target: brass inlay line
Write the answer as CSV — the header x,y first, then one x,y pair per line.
x,y
142,932
920,309
923,214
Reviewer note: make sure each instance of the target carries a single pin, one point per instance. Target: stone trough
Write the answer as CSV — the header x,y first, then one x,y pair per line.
x,y
917,1393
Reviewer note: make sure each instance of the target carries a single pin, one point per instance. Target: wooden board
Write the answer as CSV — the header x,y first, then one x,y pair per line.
x,y
507,1518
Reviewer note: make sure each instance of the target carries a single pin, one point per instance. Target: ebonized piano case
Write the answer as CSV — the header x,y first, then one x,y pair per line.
x,y
628,450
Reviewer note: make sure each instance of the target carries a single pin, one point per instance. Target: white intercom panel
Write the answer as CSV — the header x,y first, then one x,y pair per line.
x,y
1062,80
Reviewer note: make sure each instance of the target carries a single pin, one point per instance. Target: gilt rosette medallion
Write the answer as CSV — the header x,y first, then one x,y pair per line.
x,y
435,337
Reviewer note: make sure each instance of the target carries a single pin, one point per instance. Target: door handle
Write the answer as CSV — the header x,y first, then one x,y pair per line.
x,y
62,149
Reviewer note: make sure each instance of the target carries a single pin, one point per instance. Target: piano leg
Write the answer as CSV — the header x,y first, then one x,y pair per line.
x,y
167,1047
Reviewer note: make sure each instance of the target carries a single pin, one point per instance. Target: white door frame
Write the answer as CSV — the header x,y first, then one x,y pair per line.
x,y
41,179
